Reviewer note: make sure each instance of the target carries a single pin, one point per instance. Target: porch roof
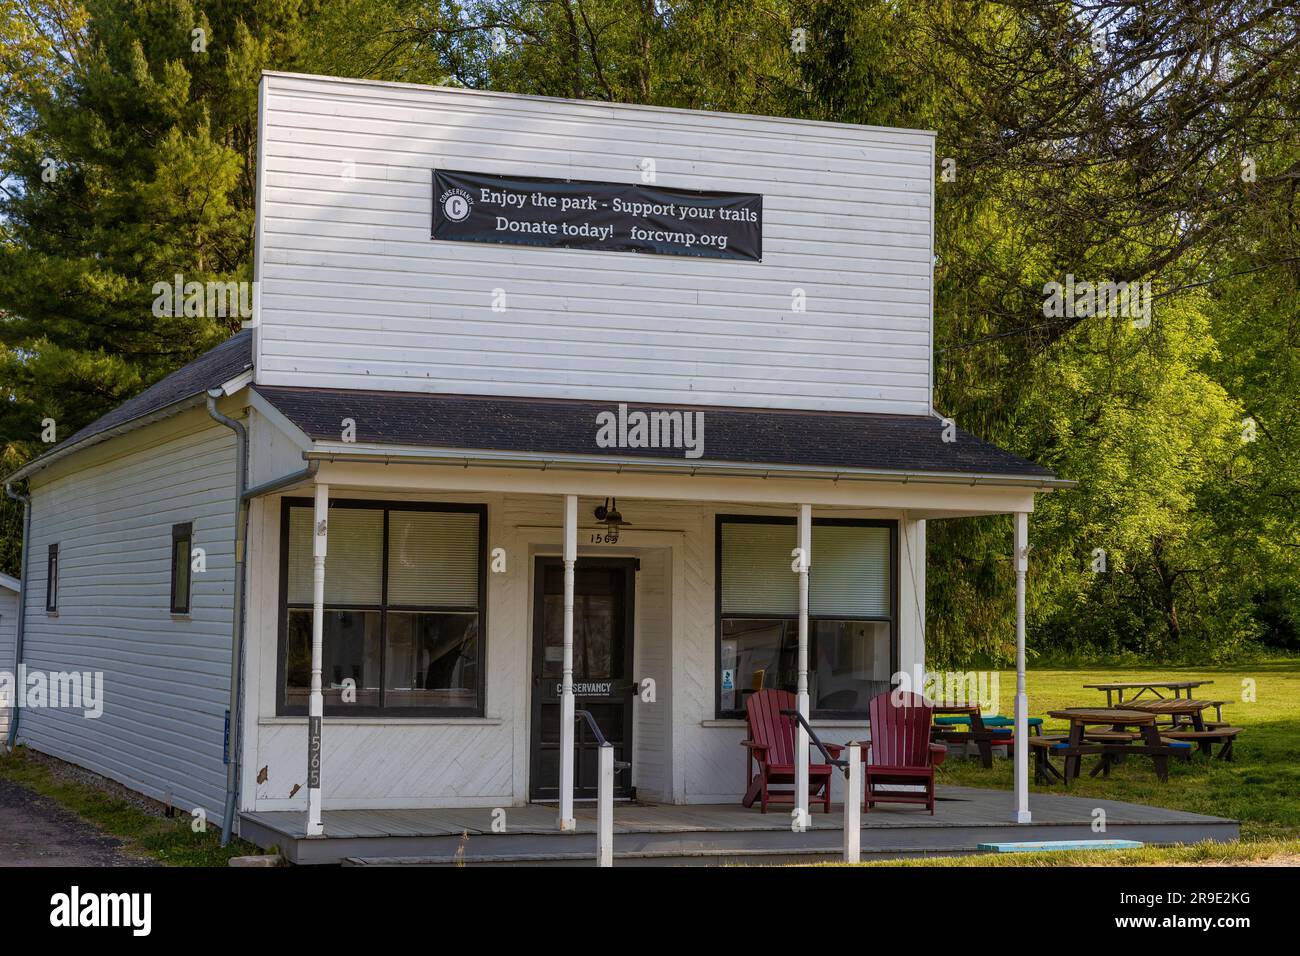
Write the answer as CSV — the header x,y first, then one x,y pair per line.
x,y
902,445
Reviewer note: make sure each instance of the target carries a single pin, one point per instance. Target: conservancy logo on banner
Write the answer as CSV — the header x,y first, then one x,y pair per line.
x,y
574,214
456,205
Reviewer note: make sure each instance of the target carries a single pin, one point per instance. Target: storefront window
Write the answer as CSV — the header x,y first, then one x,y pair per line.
x,y
851,638
402,630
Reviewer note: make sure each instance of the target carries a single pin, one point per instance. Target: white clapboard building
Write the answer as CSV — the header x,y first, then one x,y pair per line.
x,y
510,355
9,589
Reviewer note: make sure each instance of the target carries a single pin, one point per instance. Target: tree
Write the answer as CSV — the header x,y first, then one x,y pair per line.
x,y
127,162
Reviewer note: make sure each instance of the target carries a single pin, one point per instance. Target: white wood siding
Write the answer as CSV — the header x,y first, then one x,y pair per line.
x,y
652,723
166,678
354,293
8,628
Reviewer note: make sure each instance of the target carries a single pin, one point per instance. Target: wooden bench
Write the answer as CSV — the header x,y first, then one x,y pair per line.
x,y
1111,745
1099,736
984,736
1222,735
1056,744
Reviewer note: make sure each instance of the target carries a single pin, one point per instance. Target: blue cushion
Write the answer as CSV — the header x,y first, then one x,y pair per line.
x,y
998,721
952,721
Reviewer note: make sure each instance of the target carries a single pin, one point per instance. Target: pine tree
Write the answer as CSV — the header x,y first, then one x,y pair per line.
x,y
131,165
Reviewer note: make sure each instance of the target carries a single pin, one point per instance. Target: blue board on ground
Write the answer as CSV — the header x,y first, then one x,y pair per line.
x,y
1038,846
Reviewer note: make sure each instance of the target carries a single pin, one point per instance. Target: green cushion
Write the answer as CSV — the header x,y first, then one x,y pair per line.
x,y
998,721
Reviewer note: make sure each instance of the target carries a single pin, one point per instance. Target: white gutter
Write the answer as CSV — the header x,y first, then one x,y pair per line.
x,y
467,458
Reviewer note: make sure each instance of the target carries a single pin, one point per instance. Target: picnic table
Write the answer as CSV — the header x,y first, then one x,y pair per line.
x,y
1180,710
1145,686
1188,723
982,736
1111,744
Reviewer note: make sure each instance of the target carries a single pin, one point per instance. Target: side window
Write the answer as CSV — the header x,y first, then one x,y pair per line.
x,y
182,543
52,580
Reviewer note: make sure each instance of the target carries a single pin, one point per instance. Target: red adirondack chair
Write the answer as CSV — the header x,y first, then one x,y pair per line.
x,y
771,745
901,752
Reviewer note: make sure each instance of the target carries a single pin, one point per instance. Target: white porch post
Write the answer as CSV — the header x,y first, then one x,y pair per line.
x,y
566,698
605,812
801,735
853,804
1022,699
316,702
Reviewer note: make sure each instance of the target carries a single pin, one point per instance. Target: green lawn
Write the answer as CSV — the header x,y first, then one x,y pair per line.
x,y
1260,787
1245,852
169,841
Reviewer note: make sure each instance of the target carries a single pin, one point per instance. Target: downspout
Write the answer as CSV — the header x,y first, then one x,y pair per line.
x,y
237,615
22,610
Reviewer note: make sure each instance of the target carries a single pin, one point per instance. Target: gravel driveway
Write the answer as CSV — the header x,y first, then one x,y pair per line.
x,y
36,831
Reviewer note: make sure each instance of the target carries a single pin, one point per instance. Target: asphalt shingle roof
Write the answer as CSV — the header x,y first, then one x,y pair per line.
x,y
910,443
214,367
903,443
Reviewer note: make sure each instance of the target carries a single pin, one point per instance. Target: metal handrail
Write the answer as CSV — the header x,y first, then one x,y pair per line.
x,y
812,735
600,738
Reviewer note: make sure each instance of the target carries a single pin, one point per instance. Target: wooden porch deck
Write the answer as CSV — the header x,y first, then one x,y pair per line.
x,y
711,834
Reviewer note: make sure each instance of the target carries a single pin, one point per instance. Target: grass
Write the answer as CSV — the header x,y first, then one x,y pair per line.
x,y
1258,787
1279,852
170,841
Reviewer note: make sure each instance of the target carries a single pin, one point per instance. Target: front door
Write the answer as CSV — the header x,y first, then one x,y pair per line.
x,y
603,615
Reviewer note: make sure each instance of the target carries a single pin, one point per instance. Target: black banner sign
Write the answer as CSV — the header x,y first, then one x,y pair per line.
x,y
572,214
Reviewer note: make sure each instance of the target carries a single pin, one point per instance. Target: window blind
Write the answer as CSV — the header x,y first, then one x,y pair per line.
x,y
433,558
850,572
850,575
756,574
354,563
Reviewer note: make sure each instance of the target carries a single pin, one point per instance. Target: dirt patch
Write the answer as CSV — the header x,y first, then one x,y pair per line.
x,y
37,831
70,773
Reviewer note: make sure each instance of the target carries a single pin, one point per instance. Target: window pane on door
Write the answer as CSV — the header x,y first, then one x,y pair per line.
x,y
431,660
598,623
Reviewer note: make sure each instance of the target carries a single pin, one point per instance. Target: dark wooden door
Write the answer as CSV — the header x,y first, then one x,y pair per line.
x,y
603,616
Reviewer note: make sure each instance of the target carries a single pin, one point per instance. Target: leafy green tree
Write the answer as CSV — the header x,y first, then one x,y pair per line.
x,y
129,164
1117,141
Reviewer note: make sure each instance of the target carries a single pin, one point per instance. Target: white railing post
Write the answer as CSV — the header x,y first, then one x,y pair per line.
x,y
853,804
605,812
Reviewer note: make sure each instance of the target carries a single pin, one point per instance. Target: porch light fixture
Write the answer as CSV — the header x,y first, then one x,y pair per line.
x,y
609,514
